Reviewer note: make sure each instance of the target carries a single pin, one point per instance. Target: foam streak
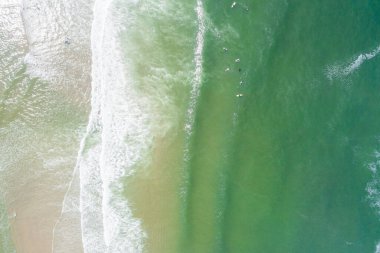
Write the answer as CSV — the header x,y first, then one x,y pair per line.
x,y
347,69
195,91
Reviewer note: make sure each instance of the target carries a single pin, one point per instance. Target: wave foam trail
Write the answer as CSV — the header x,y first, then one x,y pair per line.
x,y
9,3
197,79
335,71
196,86
104,159
124,135
198,59
373,187
132,106
121,124
89,168
69,221
377,250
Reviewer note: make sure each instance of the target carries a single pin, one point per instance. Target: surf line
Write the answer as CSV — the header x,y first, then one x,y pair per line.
x,y
74,203
372,187
91,182
347,69
122,144
107,221
193,101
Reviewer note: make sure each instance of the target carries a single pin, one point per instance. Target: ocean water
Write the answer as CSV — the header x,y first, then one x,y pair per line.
x,y
189,126
284,168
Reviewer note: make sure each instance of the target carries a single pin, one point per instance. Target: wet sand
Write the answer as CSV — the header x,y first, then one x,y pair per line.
x,y
36,190
44,155
37,209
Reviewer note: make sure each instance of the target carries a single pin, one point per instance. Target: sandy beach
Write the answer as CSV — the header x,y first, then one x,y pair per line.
x,y
43,138
37,209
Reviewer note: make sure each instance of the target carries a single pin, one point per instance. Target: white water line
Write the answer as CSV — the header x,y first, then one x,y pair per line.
x,y
100,13
348,68
198,59
94,121
194,92
119,111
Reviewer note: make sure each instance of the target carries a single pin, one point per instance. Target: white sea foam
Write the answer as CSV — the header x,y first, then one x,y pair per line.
x,y
125,131
122,126
195,89
341,70
377,250
81,215
135,106
129,111
10,3
104,158
91,192
67,230
373,187
198,60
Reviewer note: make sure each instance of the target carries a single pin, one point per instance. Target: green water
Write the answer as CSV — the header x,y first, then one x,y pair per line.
x,y
284,167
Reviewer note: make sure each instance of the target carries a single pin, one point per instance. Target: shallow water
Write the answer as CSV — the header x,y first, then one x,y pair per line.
x,y
43,110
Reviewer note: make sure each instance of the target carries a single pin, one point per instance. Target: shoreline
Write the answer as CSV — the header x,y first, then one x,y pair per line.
x,y
41,170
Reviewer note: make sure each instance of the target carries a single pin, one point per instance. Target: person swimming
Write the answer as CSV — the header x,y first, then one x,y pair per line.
x,y
67,41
